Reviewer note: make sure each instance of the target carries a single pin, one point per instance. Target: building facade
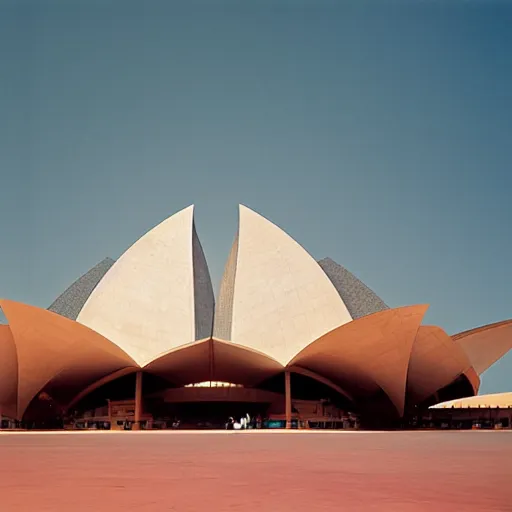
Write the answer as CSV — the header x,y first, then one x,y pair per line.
x,y
288,339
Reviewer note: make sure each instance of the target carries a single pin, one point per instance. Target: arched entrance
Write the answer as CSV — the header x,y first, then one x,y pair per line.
x,y
43,413
312,399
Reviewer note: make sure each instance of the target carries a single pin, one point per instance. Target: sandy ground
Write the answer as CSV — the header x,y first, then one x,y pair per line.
x,y
249,471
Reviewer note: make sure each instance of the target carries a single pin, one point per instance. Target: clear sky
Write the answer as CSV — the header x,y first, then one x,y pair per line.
x,y
376,133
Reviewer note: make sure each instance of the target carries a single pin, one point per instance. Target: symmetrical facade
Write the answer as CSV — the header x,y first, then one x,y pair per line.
x,y
279,314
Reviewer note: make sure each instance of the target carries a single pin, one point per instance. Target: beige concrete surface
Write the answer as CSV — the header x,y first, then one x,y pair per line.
x,y
494,400
282,299
145,302
485,345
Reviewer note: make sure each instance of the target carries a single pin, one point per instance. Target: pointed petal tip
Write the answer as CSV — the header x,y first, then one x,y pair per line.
x,y
242,208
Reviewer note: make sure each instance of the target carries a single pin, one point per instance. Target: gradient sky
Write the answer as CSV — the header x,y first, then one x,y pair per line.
x,y
376,133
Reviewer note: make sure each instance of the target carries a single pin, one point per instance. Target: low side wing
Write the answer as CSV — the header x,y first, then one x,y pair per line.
x,y
494,400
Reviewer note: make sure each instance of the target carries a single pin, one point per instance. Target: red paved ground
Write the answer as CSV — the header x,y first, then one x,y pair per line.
x,y
277,472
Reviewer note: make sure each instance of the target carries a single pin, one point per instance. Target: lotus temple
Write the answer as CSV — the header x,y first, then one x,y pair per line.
x,y
144,343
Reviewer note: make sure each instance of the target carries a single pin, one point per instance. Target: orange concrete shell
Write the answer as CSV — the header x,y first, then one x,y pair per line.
x,y
473,378
8,373
320,378
485,345
56,354
183,365
200,361
98,383
214,360
385,352
234,363
368,354
436,361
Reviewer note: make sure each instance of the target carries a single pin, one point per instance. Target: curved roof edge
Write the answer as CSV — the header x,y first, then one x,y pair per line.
x,y
56,354
359,298
436,361
494,400
8,373
480,329
213,360
282,299
474,379
485,345
146,302
70,302
368,354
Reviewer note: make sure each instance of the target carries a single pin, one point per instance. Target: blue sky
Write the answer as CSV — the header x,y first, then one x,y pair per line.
x,y
376,133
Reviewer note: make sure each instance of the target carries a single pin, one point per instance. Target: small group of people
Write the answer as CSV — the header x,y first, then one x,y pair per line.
x,y
245,422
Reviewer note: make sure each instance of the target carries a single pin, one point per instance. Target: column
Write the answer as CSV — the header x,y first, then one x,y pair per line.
x,y
212,361
110,413
288,399
138,400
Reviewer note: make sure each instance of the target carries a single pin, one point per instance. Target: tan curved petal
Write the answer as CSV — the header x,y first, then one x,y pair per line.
x,y
214,360
57,354
8,374
369,353
436,361
485,345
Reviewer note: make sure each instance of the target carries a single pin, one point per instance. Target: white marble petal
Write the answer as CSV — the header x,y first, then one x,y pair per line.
x,y
145,302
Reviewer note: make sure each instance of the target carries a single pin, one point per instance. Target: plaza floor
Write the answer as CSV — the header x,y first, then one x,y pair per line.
x,y
249,471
